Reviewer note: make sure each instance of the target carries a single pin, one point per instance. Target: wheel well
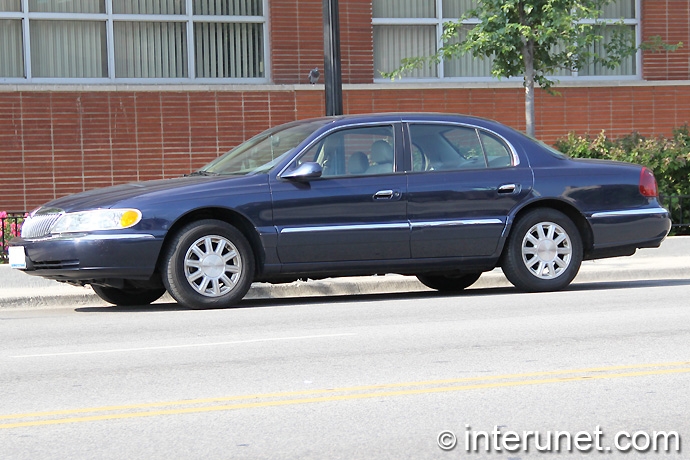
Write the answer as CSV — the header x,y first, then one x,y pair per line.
x,y
226,215
567,209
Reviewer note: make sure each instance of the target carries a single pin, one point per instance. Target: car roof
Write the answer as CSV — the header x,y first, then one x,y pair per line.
x,y
402,116
344,120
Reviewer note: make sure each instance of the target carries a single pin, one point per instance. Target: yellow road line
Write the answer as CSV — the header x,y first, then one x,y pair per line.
x,y
342,397
344,389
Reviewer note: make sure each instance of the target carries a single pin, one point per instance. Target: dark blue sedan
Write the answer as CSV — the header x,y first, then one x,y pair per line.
x,y
442,197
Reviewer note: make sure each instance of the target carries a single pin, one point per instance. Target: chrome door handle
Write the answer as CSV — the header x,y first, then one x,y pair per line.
x,y
383,195
508,188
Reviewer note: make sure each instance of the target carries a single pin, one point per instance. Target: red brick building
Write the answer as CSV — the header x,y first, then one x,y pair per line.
x,y
100,92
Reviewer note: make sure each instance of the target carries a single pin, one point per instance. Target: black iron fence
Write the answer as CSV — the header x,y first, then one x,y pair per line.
x,y
678,206
10,226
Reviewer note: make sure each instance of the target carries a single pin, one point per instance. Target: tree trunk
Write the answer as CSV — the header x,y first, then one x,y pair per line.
x,y
529,107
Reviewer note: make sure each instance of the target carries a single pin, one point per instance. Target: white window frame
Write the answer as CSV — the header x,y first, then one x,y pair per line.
x,y
438,21
109,18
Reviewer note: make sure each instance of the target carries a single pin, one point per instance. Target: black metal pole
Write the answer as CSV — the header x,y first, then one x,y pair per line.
x,y
331,58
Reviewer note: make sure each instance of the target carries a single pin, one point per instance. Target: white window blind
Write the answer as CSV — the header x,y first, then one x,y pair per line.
x,y
146,40
68,49
11,55
454,9
228,7
67,6
393,43
228,50
404,8
150,49
467,65
149,7
10,5
413,28
627,66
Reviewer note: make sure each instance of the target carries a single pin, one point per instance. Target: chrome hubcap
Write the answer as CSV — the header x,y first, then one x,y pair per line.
x,y
212,266
546,250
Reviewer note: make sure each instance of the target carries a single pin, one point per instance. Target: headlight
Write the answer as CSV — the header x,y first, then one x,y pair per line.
x,y
98,219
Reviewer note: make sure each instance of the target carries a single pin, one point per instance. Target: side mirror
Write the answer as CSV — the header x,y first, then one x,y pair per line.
x,y
304,172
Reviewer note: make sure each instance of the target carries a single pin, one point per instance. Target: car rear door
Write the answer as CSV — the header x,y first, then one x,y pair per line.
x,y
463,185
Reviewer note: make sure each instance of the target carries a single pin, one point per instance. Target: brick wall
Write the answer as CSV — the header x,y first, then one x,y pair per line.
x,y
297,40
57,143
669,19
356,36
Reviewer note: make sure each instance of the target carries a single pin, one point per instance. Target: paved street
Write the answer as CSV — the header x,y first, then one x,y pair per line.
x,y
360,376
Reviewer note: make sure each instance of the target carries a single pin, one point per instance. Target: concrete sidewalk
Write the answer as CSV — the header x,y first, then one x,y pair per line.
x,y
670,261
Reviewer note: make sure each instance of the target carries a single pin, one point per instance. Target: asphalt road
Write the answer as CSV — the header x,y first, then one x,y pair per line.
x,y
352,377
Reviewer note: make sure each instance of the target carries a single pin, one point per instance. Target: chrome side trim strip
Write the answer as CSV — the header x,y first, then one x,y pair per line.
x,y
400,225
452,223
87,237
125,236
630,212
328,228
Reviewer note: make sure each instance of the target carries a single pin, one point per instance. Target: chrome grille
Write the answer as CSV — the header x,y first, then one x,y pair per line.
x,y
39,225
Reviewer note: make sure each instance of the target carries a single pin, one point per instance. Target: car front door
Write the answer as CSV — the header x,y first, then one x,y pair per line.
x,y
463,185
356,211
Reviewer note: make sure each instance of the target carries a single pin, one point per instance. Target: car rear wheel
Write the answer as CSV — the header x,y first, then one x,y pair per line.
x,y
544,251
208,264
449,283
128,297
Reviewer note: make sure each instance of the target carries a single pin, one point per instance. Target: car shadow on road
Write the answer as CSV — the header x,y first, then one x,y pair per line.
x,y
375,297
607,285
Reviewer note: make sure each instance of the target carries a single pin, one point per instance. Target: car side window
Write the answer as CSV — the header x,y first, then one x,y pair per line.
x,y
445,147
497,154
354,152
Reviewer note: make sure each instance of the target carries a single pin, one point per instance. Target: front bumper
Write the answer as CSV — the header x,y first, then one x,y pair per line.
x,y
93,256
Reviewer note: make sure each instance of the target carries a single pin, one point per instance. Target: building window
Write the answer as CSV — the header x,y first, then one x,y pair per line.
x,y
132,41
409,28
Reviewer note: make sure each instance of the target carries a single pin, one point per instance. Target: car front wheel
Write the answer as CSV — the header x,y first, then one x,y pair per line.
x,y
208,264
544,251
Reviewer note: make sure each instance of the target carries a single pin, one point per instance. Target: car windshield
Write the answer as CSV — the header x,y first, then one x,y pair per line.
x,y
263,151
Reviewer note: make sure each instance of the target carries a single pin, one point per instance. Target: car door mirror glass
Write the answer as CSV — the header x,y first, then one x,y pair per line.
x,y
305,172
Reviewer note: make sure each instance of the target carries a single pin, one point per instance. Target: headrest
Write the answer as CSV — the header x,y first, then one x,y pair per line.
x,y
381,152
358,163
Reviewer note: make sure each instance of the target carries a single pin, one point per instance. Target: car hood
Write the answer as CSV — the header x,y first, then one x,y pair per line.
x,y
127,195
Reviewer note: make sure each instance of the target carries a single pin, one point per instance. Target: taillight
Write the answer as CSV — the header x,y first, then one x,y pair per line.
x,y
648,183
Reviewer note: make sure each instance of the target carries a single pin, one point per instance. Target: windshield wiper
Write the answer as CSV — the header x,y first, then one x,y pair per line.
x,y
201,173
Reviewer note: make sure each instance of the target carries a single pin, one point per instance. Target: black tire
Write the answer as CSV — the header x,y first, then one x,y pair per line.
x,y
197,277
449,283
544,251
128,297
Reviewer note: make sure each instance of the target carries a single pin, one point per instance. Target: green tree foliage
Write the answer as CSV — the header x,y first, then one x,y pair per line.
x,y
535,39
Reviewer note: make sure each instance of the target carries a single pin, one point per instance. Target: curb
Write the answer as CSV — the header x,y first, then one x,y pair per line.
x,y
670,261
387,284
